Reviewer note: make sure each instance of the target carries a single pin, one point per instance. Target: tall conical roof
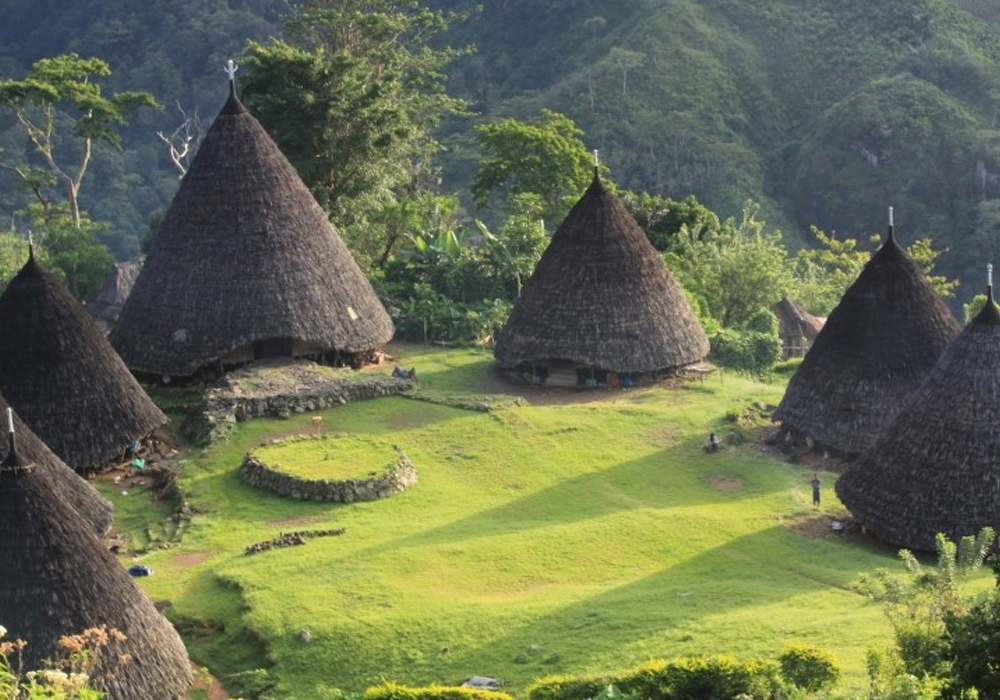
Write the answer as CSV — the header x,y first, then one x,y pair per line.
x,y
59,579
875,348
94,508
63,377
937,467
244,254
601,296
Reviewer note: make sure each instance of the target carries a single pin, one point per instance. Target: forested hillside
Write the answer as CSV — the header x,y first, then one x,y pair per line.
x,y
824,111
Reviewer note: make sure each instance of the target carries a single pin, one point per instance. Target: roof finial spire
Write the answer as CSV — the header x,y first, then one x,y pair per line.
x,y
891,225
13,463
31,247
597,162
989,280
230,69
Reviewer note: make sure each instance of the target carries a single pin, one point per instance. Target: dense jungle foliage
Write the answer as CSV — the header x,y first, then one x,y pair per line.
x,y
822,111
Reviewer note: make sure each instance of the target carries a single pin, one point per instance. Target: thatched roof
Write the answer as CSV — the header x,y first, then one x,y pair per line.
x,y
94,508
108,303
59,579
244,254
937,467
62,376
875,348
794,320
602,297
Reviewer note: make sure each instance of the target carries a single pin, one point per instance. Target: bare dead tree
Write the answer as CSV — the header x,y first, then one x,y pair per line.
x,y
184,140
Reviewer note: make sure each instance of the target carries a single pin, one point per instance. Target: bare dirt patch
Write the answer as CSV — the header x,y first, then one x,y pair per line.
x,y
189,559
726,483
823,525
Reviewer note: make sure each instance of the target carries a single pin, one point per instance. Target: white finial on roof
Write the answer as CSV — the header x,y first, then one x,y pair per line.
x,y
890,216
10,419
231,69
597,160
989,274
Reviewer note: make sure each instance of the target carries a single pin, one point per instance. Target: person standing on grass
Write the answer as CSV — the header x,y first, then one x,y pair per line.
x,y
816,484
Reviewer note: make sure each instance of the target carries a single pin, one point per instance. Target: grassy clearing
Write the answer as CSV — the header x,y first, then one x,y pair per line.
x,y
334,457
580,533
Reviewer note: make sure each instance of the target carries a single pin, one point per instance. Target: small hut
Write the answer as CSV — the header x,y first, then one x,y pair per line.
x,y
601,306
797,328
60,579
108,303
875,348
245,265
937,467
62,376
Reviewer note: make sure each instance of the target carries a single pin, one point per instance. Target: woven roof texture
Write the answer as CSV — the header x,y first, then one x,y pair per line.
x,y
937,467
244,254
60,579
601,296
62,376
875,348
94,508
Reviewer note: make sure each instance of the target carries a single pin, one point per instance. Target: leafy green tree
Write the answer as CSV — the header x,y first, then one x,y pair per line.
x,y
974,649
54,85
353,97
737,270
663,219
71,249
546,158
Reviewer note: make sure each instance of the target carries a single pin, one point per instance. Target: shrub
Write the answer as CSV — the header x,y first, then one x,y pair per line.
x,y
393,691
808,667
567,687
700,677
694,678
751,352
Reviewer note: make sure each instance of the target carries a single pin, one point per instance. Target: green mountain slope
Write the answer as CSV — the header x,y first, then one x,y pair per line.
x,y
826,111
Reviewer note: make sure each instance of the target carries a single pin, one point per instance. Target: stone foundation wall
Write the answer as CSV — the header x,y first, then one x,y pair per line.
x,y
224,408
398,478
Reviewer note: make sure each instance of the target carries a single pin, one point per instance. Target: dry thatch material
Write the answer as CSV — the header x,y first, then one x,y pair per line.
x,y
60,579
876,347
602,297
797,328
245,257
937,467
63,378
94,508
108,303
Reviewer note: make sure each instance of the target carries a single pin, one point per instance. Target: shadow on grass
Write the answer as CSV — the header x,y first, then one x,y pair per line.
x,y
694,606
679,477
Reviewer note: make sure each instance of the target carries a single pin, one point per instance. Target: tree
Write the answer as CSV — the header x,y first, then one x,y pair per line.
x,y
66,82
663,219
736,271
353,97
546,158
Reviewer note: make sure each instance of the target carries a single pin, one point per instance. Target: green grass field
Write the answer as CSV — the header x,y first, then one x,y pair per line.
x,y
580,533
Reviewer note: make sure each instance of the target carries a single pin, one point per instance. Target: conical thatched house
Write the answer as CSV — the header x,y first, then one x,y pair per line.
x,y
59,579
108,303
246,265
797,328
94,508
600,303
62,376
875,348
937,467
